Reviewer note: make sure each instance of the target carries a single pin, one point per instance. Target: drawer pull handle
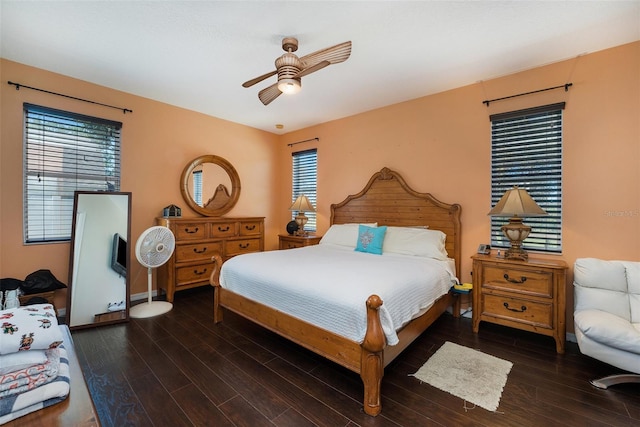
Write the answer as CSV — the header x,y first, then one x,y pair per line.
x,y
250,227
243,245
516,281
521,310
191,231
223,229
199,273
200,251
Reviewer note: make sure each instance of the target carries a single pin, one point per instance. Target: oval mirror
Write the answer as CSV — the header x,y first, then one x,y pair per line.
x,y
210,185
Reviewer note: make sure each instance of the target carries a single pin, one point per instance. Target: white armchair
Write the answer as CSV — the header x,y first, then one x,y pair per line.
x,y
607,315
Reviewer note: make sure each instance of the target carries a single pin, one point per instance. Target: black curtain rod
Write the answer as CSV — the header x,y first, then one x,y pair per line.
x,y
566,87
18,86
306,140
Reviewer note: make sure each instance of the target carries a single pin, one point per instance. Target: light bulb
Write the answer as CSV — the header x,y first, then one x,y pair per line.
x,y
289,86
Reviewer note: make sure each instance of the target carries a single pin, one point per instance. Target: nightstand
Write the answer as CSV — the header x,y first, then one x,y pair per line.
x,y
288,241
528,295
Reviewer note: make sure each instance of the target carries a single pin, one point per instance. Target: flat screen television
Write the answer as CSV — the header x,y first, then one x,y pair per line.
x,y
119,255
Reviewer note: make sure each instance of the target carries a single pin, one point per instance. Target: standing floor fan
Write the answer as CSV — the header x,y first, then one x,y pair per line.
x,y
153,248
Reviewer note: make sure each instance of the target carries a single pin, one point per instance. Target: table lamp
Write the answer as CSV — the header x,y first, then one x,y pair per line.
x,y
301,205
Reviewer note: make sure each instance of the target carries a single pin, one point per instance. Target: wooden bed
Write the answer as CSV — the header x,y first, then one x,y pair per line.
x,y
387,200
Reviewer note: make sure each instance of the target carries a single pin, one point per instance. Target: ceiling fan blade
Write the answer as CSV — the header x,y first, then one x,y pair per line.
x,y
312,69
251,82
334,55
269,94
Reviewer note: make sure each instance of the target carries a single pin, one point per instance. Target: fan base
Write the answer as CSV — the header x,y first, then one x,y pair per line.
x,y
150,309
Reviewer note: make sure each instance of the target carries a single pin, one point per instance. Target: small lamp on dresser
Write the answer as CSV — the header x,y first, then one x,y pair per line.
x,y
301,205
516,203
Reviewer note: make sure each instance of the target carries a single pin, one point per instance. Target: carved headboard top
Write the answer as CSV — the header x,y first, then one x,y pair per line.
x,y
388,200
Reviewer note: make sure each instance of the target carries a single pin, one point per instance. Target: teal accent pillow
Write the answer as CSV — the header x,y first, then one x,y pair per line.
x,y
370,239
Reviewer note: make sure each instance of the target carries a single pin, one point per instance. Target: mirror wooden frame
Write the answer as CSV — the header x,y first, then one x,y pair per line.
x,y
233,177
101,315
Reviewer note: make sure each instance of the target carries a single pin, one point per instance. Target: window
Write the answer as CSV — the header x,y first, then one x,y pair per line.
x,y
526,150
64,152
305,171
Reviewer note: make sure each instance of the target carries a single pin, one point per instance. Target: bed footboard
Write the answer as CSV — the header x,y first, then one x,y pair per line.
x,y
372,360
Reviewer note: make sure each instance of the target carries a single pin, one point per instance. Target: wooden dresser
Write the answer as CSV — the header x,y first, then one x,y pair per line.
x,y
196,241
528,295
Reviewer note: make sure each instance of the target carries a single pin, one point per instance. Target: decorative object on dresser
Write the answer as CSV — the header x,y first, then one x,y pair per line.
x,y
301,205
291,242
516,203
197,239
171,211
153,249
368,353
528,295
607,313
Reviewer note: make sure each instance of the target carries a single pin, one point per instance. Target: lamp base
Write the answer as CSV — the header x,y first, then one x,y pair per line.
x,y
516,232
516,253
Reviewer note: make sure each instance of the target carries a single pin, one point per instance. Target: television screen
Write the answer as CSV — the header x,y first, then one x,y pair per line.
x,y
119,255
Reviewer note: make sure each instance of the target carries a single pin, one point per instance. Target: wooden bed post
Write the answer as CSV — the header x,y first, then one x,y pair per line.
x,y
371,362
214,280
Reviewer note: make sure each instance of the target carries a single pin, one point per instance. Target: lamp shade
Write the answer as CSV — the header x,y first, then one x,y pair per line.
x,y
517,202
302,204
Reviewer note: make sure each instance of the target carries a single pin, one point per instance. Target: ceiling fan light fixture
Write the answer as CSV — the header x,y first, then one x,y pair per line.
x,y
289,86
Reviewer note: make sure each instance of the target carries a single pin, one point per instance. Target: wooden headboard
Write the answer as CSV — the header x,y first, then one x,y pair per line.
x,y
388,200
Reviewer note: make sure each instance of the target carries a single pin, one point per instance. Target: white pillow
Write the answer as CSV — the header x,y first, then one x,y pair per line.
x,y
343,234
415,241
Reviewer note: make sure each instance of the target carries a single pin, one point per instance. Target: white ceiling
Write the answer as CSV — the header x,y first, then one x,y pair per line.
x,y
197,54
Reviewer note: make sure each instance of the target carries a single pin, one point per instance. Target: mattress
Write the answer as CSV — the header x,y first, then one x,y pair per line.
x,y
328,285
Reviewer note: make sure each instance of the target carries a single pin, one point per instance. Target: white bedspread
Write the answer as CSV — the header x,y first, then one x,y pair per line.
x,y
328,286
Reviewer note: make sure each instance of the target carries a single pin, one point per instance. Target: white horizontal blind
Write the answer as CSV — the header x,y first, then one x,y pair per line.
x,y
64,152
526,150
305,173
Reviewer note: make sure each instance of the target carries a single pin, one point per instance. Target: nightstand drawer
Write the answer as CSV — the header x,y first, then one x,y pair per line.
x,y
532,282
193,273
237,247
536,314
197,251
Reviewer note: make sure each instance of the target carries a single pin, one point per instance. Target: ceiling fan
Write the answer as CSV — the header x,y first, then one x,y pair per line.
x,y
290,69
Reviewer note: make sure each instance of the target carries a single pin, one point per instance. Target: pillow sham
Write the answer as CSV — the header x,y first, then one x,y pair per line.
x,y
343,234
370,239
416,242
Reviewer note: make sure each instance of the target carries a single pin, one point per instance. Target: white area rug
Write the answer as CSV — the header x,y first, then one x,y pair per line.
x,y
469,374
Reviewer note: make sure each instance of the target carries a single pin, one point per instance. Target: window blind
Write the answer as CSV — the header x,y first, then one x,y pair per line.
x,y
526,150
64,152
305,171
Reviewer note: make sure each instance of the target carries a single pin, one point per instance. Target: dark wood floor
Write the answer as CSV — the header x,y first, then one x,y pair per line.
x,y
180,369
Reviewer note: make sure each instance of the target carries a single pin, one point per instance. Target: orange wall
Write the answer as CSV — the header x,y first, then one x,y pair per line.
x,y
440,143
158,140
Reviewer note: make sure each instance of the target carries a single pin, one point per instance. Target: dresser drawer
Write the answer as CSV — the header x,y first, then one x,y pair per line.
x,y
243,246
534,313
223,229
197,251
193,273
190,231
250,228
522,280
